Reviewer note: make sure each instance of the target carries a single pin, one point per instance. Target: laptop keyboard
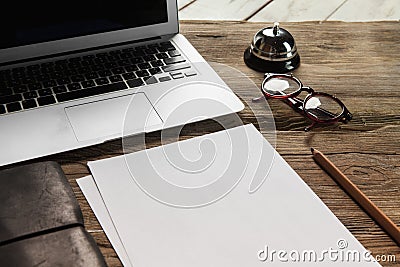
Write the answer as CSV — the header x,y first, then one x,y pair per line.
x,y
74,78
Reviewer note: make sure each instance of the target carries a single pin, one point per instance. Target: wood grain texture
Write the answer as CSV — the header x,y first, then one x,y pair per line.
x,y
359,63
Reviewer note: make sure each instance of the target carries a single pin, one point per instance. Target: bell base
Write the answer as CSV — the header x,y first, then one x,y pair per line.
x,y
264,66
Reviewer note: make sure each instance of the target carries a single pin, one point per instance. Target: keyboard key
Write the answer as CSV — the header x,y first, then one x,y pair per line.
x,y
104,73
165,48
46,100
110,65
27,80
154,71
2,109
71,72
164,79
128,49
63,81
77,78
87,84
87,62
136,60
30,95
33,67
175,67
75,59
74,65
174,60
190,73
135,83
88,57
20,89
97,67
149,58
91,91
144,66
57,75
155,45
162,55
91,76
129,76
140,47
174,53
142,73
16,106
151,80
125,55
34,86
124,63
30,103
157,63
113,58
59,89
115,78
150,51
74,86
102,81
10,98
50,83
166,43
115,52
118,70
45,92
138,53
5,91
177,75
131,68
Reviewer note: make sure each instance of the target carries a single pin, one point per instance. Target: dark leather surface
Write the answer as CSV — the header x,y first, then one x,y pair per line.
x,y
68,247
35,198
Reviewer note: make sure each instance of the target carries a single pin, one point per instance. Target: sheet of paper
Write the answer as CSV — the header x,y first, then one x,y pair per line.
x,y
92,194
246,226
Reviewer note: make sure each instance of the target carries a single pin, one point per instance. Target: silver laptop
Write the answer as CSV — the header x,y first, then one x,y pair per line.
x,y
70,71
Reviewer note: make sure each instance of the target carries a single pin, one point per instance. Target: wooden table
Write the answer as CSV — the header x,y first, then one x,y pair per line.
x,y
359,63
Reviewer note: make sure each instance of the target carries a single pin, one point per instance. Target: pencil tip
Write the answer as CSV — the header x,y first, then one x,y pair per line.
x,y
312,150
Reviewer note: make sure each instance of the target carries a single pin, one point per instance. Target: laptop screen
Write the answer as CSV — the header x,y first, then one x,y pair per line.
x,y
31,22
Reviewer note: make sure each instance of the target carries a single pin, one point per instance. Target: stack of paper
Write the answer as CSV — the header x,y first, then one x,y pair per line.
x,y
223,199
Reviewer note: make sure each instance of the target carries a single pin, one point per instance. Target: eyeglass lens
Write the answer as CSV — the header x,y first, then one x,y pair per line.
x,y
319,106
281,86
322,107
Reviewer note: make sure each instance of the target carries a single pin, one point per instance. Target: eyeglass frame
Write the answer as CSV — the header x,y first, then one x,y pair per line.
x,y
299,105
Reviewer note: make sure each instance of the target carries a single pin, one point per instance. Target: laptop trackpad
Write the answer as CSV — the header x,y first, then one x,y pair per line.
x,y
105,118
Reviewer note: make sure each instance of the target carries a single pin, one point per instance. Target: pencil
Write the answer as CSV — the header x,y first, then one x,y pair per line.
x,y
353,191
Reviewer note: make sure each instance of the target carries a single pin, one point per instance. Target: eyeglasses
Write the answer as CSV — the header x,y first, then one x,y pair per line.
x,y
317,106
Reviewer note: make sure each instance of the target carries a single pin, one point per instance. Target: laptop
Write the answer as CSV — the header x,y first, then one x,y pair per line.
x,y
69,71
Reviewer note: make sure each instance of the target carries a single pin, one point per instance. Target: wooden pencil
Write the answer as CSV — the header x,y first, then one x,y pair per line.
x,y
351,189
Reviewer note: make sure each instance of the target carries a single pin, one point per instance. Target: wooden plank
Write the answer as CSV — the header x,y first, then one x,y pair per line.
x,y
294,10
368,10
220,10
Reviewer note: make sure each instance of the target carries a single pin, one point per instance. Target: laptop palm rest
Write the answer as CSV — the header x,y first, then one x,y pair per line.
x,y
105,118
